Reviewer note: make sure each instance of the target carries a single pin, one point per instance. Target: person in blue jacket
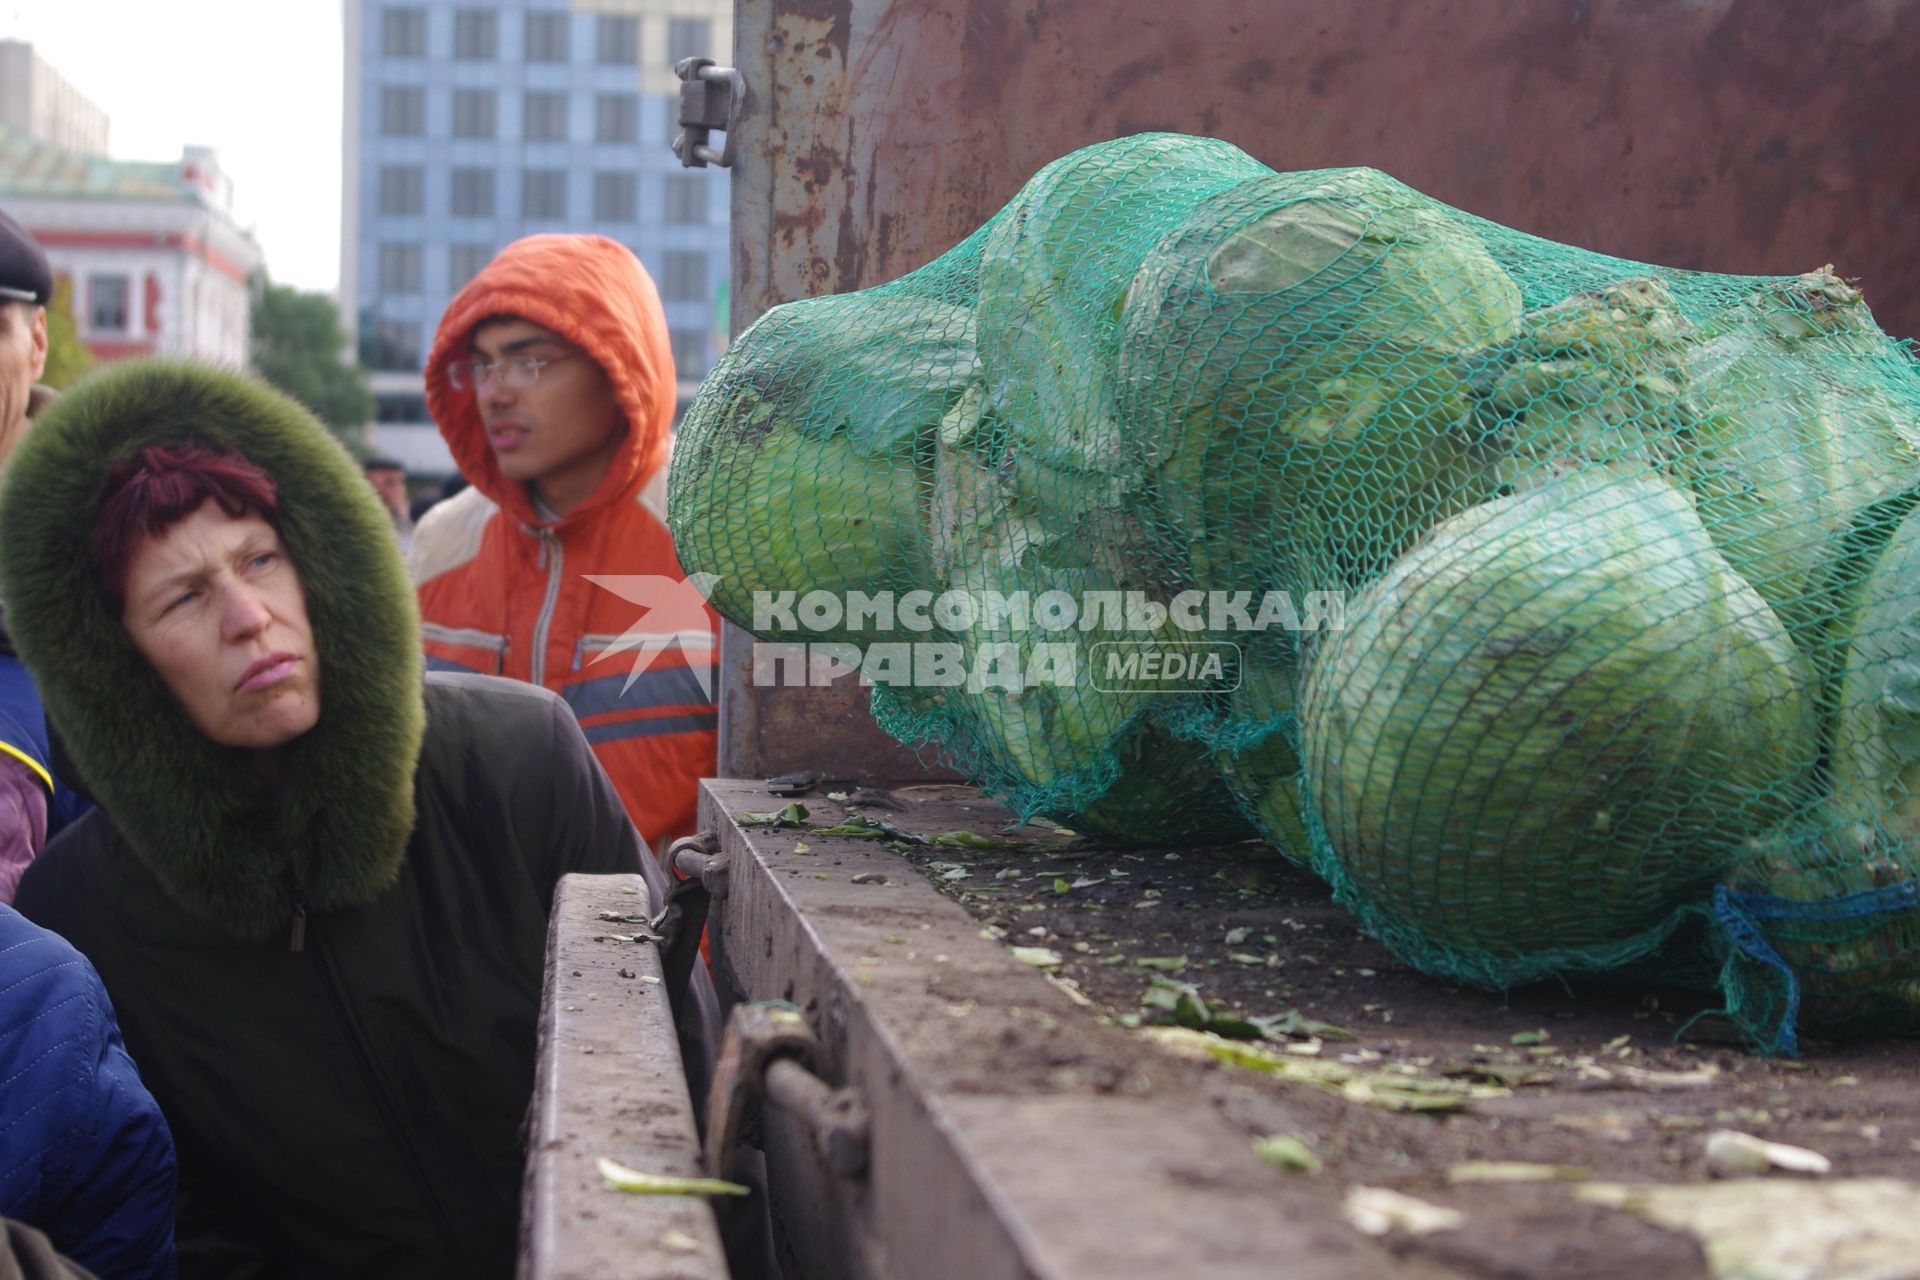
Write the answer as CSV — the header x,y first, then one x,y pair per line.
x,y
34,804
85,1155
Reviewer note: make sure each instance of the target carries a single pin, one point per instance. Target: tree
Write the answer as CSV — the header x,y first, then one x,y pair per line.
x,y
297,346
67,356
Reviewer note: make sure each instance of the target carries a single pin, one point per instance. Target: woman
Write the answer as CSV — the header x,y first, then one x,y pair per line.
x,y
318,885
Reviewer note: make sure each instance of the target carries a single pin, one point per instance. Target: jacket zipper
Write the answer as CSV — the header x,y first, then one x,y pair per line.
x,y
470,638
584,643
397,1132
551,558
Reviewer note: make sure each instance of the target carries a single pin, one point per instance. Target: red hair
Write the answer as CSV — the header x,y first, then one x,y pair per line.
x,y
160,486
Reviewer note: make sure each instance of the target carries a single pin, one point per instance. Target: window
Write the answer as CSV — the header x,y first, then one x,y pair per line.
x,y
686,199
400,268
107,304
619,41
473,113
464,262
670,108
402,189
686,278
472,193
688,38
476,33
546,117
543,193
400,408
616,118
391,346
689,353
403,33
614,197
547,37
403,111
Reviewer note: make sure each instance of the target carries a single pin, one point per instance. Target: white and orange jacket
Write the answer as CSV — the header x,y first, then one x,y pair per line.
x,y
505,592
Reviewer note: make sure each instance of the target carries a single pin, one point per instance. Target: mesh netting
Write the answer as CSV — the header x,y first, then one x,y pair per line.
x,y
1538,600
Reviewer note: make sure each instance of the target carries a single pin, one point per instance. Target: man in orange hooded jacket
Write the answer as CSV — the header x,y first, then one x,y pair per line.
x,y
551,378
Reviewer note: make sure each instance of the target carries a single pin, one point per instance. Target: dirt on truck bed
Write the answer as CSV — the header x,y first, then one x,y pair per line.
x,y
1569,1126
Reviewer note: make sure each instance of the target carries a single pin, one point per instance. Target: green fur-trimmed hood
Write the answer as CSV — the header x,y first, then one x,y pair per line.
x,y
332,831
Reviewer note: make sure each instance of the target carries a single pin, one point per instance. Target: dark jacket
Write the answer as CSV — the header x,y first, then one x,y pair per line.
x,y
348,1102
84,1154
331,980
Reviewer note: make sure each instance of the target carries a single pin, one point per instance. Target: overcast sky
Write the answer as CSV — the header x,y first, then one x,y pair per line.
x,y
259,80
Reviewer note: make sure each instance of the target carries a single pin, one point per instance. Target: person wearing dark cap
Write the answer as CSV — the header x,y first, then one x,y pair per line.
x,y
33,804
85,1156
26,284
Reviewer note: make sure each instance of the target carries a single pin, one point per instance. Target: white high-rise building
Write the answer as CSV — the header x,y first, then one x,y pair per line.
x,y
37,101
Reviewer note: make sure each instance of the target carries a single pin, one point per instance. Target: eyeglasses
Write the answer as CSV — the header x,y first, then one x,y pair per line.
x,y
515,373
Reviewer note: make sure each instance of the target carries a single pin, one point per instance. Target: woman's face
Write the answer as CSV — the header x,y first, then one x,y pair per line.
x,y
216,606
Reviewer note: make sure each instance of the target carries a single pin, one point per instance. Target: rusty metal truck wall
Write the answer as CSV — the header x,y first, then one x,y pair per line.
x,y
1753,136
1758,136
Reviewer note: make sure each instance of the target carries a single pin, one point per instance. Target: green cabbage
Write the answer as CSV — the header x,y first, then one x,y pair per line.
x,y
1259,763
1168,792
1600,376
802,465
1044,738
1290,370
1551,723
1805,425
1054,267
1875,756
1854,971
1859,971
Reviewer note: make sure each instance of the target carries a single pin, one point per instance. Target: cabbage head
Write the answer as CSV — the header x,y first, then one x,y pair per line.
x,y
1168,791
1549,725
801,465
1842,918
1291,373
1810,415
1053,740
1600,376
1875,756
1055,264
1257,758
1856,971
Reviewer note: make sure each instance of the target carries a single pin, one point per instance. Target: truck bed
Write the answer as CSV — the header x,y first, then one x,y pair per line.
x,y
1030,1117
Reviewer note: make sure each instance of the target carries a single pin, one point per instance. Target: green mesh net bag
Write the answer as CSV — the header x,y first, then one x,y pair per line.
x,y
1539,601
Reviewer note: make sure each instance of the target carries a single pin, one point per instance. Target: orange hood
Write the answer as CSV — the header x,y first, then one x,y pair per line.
x,y
594,293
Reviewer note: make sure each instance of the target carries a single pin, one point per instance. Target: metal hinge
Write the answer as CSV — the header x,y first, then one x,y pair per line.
x,y
710,97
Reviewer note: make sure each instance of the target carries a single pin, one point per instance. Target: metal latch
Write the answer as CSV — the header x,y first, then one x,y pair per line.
x,y
769,1059
710,97
698,857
